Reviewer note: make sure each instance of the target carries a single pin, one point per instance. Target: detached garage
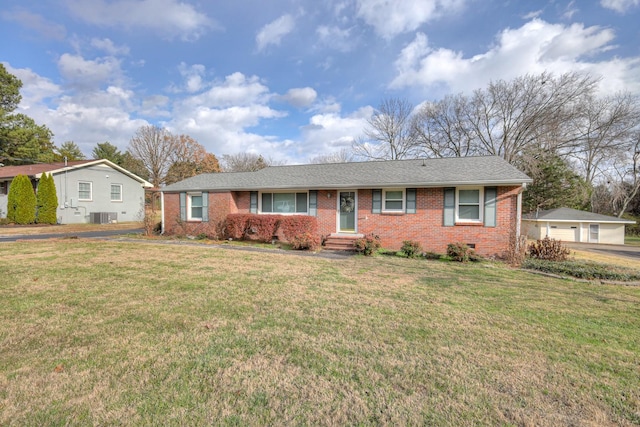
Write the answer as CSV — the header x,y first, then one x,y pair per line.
x,y
572,225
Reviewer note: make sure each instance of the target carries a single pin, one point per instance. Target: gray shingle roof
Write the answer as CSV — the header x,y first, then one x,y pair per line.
x,y
572,215
391,173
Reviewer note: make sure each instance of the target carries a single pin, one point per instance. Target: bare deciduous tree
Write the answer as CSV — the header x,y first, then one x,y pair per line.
x,y
244,162
154,147
342,156
389,134
603,130
441,128
506,118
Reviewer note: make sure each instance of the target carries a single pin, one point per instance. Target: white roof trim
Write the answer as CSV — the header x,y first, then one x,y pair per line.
x,y
144,182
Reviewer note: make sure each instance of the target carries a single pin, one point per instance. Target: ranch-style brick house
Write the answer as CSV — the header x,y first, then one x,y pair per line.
x,y
472,200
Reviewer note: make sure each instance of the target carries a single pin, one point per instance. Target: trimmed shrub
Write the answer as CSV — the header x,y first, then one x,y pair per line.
x,y
47,201
368,245
21,201
262,227
459,252
548,249
293,226
411,248
236,226
252,227
304,241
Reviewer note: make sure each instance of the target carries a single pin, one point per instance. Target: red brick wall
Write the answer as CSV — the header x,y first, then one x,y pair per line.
x,y
220,205
425,226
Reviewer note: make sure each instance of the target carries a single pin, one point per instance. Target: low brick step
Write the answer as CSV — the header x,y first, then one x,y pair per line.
x,y
341,242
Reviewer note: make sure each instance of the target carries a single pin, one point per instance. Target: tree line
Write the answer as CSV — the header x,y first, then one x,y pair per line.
x,y
581,148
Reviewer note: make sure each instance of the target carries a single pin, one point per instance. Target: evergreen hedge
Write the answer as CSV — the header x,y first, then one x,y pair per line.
x,y
21,201
47,201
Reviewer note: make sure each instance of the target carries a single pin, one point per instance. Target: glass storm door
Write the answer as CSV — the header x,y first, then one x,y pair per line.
x,y
594,233
347,207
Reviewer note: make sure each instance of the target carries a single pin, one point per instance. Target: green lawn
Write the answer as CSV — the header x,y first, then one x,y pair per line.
x,y
111,333
632,240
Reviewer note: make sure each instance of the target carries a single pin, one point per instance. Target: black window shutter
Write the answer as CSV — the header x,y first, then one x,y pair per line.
x,y
253,202
313,202
183,206
411,200
449,207
376,201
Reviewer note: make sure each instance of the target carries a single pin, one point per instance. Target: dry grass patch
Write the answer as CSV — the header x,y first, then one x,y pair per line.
x,y
123,333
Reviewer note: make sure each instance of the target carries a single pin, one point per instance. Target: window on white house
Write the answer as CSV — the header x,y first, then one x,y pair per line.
x,y
393,200
116,192
4,187
469,205
284,203
194,206
85,191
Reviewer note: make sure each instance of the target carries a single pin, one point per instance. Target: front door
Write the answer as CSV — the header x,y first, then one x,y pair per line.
x,y
347,211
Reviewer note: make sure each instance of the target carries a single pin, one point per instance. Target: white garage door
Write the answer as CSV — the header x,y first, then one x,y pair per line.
x,y
564,232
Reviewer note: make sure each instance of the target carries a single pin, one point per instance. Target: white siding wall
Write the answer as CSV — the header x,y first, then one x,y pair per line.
x,y
73,211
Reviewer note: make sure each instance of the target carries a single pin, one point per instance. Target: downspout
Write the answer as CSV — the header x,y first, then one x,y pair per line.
x,y
162,212
519,215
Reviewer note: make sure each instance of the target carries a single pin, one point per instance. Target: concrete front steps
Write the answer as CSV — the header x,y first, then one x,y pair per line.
x,y
341,242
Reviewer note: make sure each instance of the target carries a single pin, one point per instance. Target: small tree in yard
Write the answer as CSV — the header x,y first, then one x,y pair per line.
x,y
21,201
47,201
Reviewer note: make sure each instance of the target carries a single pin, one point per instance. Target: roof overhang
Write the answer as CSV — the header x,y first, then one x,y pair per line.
x,y
590,221
145,183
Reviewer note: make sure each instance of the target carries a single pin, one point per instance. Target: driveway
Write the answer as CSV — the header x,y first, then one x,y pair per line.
x,y
631,252
70,234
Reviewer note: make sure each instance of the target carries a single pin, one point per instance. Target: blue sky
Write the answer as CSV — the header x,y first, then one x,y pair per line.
x,y
289,79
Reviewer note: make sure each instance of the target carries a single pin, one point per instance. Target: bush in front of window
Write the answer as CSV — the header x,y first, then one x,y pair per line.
x,y
251,227
236,226
411,248
262,227
296,225
368,245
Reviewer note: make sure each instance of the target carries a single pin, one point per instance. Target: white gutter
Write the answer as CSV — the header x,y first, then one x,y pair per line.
x,y
518,218
162,212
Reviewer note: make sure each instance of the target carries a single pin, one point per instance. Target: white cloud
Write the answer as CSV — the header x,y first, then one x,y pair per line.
x,y
535,47
86,74
620,6
273,32
331,132
236,90
300,97
193,77
47,29
35,88
107,46
336,38
390,18
169,18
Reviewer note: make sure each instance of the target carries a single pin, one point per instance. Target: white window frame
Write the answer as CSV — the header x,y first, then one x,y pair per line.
x,y
111,192
384,200
90,191
190,216
306,212
480,220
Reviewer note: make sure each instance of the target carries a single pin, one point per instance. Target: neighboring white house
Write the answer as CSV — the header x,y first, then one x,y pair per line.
x,y
572,225
97,191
